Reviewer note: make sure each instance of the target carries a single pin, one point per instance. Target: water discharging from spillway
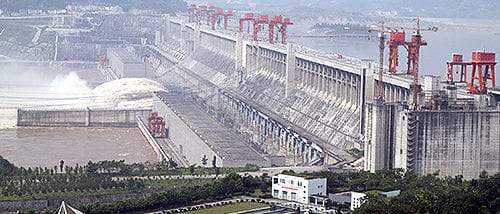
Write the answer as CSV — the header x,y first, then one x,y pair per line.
x,y
46,146
134,93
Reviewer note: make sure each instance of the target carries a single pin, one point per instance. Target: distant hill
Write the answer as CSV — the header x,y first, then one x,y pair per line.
x,y
485,9
166,6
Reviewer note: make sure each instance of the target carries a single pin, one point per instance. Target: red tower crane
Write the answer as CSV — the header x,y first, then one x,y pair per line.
x,y
281,24
247,18
381,29
413,57
258,25
483,69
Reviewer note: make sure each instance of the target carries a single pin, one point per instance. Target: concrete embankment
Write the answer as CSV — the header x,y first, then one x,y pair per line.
x,y
80,117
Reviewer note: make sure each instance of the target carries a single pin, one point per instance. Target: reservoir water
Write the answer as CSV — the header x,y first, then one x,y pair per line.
x,y
454,36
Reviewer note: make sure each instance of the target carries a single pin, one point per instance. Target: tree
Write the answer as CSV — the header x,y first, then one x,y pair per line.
x,y
61,165
204,160
6,168
191,169
214,162
217,171
172,164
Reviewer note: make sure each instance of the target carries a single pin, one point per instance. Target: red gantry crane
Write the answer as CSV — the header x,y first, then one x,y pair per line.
x,y
156,125
247,18
396,39
201,13
192,11
258,25
457,60
483,69
210,10
215,17
280,24
226,17
104,61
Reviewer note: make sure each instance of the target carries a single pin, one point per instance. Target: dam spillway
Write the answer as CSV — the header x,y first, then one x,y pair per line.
x,y
321,94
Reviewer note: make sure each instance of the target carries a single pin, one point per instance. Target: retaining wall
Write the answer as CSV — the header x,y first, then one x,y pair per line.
x,y
80,117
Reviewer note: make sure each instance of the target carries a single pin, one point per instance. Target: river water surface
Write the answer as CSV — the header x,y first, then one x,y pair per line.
x,y
42,85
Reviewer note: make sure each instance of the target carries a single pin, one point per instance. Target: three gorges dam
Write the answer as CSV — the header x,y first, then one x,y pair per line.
x,y
243,100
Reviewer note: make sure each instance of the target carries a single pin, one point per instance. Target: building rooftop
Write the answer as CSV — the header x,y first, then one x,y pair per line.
x,y
390,193
227,144
125,56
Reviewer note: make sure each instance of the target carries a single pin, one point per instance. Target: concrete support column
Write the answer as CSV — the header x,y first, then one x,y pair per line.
x,y
87,118
288,144
290,69
333,89
400,94
258,58
167,26
196,36
393,91
317,79
365,65
338,84
315,154
322,79
344,85
303,153
349,87
307,73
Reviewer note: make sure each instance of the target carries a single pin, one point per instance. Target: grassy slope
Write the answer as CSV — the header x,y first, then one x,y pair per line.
x,y
231,208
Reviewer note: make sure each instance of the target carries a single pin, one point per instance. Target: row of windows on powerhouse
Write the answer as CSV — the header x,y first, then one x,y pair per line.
x,y
282,180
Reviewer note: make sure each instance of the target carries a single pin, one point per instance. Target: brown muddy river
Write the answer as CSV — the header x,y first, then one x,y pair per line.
x,y
46,146
42,85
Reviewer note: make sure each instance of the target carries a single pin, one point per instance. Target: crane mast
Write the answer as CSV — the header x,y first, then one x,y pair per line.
x,y
381,46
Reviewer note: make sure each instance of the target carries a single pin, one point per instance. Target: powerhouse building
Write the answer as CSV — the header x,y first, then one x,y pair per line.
x,y
124,64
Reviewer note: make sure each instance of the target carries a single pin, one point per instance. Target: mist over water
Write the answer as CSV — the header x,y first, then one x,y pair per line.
x,y
69,84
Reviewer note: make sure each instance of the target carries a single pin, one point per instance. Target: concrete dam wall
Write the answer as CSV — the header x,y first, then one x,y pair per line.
x,y
456,143
80,117
323,95
445,142
292,97
290,100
